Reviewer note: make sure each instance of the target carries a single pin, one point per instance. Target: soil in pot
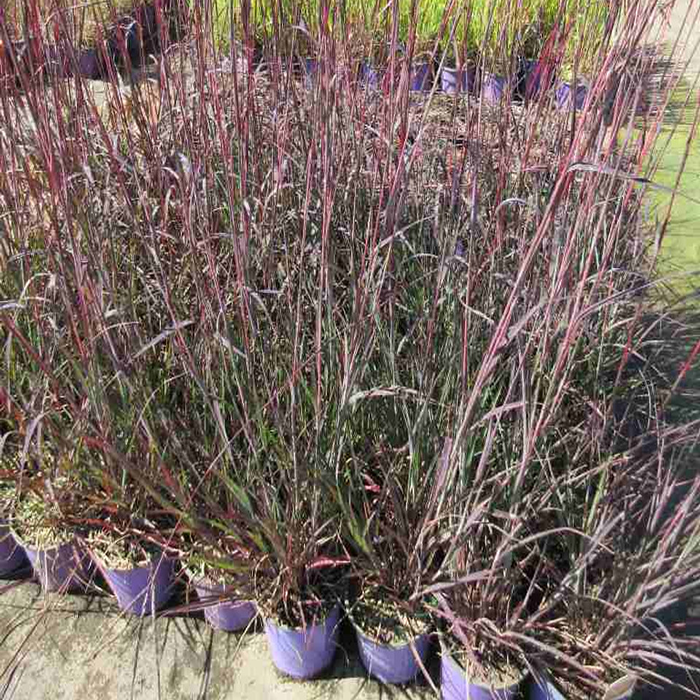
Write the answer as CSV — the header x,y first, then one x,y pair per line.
x,y
140,575
389,639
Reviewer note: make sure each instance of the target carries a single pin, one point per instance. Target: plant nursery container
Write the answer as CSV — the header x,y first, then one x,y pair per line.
x,y
228,615
568,97
533,77
143,589
89,65
66,568
454,684
311,71
392,663
541,689
305,652
368,76
455,81
493,87
12,557
420,77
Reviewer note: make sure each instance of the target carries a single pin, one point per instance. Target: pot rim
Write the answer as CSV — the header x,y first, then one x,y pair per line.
x,y
213,587
446,654
387,645
153,564
75,540
428,633
320,623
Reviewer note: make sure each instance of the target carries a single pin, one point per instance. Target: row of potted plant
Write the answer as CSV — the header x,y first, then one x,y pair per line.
x,y
136,37
393,646
528,83
86,46
424,76
141,565
246,327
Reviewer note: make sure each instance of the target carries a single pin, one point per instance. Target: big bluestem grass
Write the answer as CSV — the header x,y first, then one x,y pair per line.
x,y
256,292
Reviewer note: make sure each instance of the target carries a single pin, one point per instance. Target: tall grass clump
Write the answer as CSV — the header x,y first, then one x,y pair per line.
x,y
406,351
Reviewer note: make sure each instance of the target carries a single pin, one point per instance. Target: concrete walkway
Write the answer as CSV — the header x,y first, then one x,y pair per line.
x,y
683,30
72,647
81,647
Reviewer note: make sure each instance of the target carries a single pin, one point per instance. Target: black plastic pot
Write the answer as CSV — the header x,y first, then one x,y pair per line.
x,y
142,589
134,38
455,683
224,612
66,568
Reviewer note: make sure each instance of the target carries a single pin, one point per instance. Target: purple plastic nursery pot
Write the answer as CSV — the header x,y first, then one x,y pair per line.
x,y
420,77
566,96
65,569
542,689
493,87
227,615
143,589
454,81
89,64
533,77
454,684
12,556
304,653
368,75
392,664
311,71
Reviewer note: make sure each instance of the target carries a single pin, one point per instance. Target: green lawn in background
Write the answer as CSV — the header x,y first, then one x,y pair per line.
x,y
84,19
680,252
507,26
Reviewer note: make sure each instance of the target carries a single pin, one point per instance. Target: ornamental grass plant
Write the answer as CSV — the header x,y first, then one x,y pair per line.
x,y
326,340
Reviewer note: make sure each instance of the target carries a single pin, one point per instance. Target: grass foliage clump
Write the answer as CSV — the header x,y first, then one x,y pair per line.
x,y
330,343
